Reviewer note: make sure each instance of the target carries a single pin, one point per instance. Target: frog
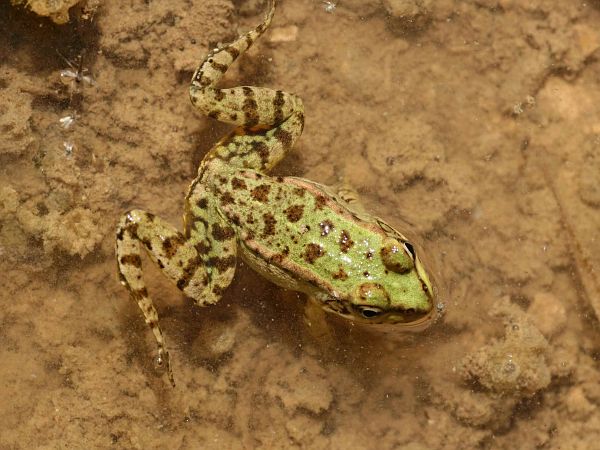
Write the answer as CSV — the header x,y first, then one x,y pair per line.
x,y
297,233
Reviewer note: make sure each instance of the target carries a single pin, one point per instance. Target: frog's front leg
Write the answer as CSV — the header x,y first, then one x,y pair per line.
x,y
269,121
183,259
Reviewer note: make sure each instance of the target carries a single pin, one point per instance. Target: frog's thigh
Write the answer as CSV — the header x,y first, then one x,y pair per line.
x,y
161,241
185,261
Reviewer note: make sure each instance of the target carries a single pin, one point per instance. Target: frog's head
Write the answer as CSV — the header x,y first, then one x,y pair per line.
x,y
402,293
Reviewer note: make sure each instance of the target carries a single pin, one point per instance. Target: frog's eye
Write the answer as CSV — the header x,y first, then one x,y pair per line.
x,y
368,312
397,257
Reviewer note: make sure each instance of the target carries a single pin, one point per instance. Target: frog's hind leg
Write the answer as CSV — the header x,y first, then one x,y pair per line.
x,y
181,259
269,121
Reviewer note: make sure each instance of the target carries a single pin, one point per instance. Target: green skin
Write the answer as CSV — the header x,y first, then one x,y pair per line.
x,y
294,232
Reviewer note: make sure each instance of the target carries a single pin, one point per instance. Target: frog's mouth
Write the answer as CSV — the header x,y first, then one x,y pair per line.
x,y
414,326
413,322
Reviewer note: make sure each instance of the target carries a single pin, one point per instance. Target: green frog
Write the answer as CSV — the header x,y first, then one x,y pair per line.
x,y
299,234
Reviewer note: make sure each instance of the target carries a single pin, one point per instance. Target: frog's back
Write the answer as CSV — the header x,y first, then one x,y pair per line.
x,y
299,227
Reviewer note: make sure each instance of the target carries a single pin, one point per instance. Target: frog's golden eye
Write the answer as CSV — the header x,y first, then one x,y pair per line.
x,y
398,257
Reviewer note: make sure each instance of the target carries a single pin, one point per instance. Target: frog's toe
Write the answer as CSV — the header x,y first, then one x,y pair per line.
x,y
162,362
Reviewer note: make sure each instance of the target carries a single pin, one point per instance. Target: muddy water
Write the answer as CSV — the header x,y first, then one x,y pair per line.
x,y
475,123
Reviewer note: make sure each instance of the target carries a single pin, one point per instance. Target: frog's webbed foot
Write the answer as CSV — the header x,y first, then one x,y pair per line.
x,y
269,121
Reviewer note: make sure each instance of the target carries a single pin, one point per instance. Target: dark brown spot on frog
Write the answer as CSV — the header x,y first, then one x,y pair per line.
x,y
279,179
150,217
284,137
366,273
312,252
160,264
250,218
286,251
233,116
221,264
218,66
233,52
369,254
261,193
326,227
120,234
214,115
278,103
262,150
219,95
139,293
171,244
250,108
299,192
203,247
131,227
238,183
147,243
294,213
346,242
131,260
188,271
198,220
320,202
236,220
202,203
227,199
222,233
340,275
270,222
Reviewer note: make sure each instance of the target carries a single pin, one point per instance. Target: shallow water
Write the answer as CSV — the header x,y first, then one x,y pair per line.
x,y
476,123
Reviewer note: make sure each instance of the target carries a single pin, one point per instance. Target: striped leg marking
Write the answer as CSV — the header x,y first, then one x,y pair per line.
x,y
183,260
269,121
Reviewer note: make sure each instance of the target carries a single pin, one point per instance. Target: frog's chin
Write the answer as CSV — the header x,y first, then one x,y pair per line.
x,y
414,326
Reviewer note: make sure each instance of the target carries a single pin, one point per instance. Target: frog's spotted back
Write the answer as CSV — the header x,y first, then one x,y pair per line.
x,y
294,232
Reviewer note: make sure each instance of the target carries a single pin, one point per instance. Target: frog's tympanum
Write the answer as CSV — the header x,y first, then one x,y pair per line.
x,y
297,233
